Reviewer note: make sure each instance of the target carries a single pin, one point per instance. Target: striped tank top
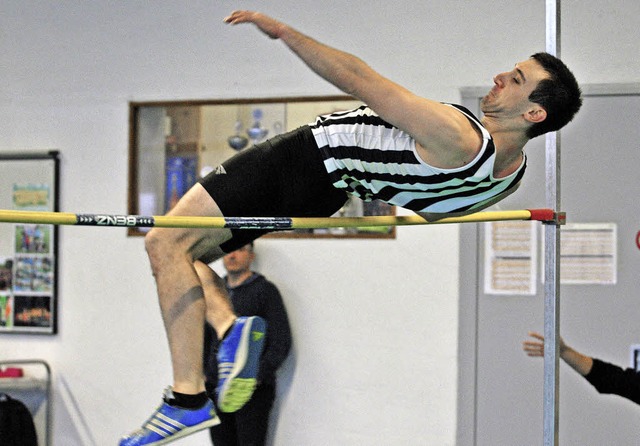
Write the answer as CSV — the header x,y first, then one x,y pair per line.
x,y
371,159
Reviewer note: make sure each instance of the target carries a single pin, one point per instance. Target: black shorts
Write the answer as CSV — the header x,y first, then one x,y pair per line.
x,y
281,177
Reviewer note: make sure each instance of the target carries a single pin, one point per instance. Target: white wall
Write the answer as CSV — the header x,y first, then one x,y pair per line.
x,y
375,322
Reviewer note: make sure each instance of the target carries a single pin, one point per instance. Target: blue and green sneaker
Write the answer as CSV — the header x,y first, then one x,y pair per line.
x,y
239,362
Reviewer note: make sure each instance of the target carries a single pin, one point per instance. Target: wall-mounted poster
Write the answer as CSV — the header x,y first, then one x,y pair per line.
x,y
510,257
28,252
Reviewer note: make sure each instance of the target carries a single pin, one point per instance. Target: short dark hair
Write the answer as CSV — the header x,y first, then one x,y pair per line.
x,y
559,95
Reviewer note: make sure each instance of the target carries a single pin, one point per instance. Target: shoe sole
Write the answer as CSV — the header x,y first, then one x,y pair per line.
x,y
187,431
243,388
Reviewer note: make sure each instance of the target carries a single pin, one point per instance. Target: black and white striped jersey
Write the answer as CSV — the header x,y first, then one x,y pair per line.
x,y
371,159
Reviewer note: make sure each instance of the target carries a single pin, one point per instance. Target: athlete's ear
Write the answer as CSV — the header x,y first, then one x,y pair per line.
x,y
536,114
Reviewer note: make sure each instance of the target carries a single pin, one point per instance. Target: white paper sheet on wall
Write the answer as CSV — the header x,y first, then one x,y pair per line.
x,y
510,257
588,253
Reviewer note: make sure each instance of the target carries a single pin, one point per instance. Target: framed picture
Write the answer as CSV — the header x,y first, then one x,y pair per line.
x,y
173,144
28,252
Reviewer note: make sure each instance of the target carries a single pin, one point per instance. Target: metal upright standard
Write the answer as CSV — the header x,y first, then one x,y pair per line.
x,y
552,254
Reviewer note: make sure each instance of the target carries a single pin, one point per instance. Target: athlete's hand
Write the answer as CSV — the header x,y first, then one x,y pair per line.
x,y
270,26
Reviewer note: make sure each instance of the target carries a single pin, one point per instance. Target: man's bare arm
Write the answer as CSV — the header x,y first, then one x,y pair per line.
x,y
579,362
434,126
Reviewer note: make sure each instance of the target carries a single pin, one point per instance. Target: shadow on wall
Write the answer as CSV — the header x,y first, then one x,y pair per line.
x,y
71,426
285,376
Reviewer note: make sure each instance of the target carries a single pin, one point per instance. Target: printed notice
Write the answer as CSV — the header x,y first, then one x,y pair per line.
x,y
588,253
510,257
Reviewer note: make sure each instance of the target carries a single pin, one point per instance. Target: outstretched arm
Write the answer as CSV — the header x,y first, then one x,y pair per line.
x,y
579,362
346,71
438,128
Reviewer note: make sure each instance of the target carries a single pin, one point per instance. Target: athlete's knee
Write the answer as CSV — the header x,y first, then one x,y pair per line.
x,y
161,246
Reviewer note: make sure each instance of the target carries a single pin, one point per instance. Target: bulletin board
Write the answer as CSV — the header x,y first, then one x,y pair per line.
x,y
28,252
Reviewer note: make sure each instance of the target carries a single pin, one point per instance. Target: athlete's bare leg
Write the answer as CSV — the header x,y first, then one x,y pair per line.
x,y
172,253
219,309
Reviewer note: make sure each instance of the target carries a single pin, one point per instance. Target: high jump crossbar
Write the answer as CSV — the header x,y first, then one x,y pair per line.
x,y
270,223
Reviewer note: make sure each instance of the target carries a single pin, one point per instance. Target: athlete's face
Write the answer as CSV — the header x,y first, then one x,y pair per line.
x,y
511,90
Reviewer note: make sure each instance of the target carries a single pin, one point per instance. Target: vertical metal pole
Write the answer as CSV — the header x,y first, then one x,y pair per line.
x,y
552,254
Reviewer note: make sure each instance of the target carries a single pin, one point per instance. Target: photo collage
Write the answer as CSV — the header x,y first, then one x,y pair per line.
x,y
27,273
